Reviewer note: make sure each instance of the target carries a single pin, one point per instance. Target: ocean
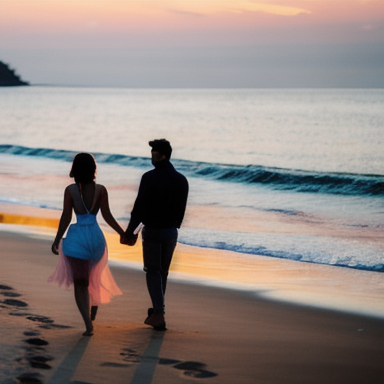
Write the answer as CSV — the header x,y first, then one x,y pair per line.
x,y
285,173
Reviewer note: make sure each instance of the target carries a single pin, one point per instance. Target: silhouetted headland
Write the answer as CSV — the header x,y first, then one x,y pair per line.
x,y
8,77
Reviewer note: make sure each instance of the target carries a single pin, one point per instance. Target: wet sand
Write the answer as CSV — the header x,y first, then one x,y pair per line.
x,y
215,335
324,286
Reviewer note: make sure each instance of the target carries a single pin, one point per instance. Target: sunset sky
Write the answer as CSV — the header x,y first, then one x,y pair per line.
x,y
195,43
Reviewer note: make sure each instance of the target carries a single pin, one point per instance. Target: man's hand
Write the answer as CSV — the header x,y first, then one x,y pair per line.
x,y
128,239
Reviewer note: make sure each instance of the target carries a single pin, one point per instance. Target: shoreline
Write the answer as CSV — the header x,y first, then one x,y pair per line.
x,y
314,285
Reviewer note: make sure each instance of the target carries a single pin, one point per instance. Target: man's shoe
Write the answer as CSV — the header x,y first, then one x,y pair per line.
x,y
161,327
151,311
156,320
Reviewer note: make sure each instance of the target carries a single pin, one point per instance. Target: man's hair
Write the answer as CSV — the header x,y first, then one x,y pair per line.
x,y
83,168
162,146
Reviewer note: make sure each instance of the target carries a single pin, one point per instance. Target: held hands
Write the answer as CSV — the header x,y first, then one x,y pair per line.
x,y
128,239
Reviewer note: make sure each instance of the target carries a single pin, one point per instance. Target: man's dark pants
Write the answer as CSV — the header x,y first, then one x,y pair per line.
x,y
158,247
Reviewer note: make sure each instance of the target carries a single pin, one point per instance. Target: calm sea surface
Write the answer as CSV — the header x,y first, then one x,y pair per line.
x,y
291,173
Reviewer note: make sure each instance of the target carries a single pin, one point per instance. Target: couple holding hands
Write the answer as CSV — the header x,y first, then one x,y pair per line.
x,y
83,257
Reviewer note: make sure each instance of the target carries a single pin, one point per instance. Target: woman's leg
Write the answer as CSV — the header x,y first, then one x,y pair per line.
x,y
94,309
82,301
80,270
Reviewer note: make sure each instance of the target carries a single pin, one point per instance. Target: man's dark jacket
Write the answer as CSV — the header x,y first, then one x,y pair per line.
x,y
161,199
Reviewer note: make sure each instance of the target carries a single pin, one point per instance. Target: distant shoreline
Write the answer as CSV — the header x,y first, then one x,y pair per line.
x,y
87,86
9,78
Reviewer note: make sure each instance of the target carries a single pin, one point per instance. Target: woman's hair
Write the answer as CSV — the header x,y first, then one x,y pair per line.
x,y
83,168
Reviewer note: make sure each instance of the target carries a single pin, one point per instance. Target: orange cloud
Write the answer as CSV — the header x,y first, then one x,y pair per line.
x,y
230,6
123,18
72,12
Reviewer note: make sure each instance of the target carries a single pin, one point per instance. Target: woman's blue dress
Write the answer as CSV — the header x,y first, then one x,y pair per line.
x,y
85,241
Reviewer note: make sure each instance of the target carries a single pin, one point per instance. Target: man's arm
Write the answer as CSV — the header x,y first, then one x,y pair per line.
x,y
182,201
138,209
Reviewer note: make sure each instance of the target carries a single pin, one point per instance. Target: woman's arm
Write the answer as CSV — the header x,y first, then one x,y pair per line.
x,y
106,212
65,220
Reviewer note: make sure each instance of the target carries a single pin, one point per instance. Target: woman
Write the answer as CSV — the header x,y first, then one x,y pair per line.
x,y
83,252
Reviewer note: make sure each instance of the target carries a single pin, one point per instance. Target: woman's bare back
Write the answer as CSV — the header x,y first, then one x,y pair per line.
x,y
90,193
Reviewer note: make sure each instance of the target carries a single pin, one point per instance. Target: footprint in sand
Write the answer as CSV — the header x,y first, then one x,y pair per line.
x,y
35,352
29,378
31,333
168,361
15,303
5,287
54,326
40,362
130,355
7,291
46,322
40,319
36,341
192,369
195,370
10,294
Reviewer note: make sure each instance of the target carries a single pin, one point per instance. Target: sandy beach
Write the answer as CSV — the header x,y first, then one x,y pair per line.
x,y
255,332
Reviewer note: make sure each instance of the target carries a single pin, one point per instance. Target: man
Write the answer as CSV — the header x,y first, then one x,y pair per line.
x,y
160,207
